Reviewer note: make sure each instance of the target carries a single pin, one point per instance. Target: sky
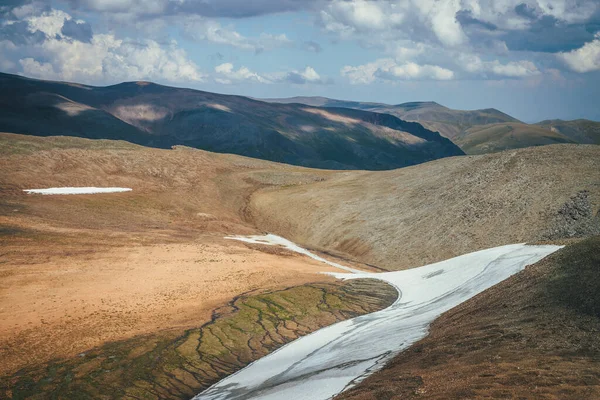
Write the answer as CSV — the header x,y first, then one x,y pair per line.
x,y
533,59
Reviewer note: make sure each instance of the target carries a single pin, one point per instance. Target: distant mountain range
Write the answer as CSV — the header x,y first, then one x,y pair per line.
x,y
579,130
431,115
475,131
309,131
491,138
160,116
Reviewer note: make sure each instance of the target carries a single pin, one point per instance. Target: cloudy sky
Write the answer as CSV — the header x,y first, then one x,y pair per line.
x,y
533,59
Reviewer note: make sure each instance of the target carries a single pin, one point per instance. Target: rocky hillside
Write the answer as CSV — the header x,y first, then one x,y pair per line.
x,y
492,138
474,131
447,121
166,235
431,212
579,130
160,116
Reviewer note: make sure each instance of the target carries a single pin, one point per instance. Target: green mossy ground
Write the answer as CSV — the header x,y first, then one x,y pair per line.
x,y
176,366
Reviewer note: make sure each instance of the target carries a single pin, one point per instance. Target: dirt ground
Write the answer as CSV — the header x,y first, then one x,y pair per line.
x,y
55,306
81,271
78,271
178,365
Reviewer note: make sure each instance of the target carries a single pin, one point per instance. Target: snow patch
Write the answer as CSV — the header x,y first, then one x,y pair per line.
x,y
77,190
274,240
333,359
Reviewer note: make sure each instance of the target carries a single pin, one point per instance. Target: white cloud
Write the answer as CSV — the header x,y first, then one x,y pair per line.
x,y
513,69
50,22
307,75
504,15
125,6
411,70
347,17
393,20
310,74
381,22
441,17
27,9
389,70
407,53
225,68
199,28
35,68
584,59
570,11
364,74
354,15
227,74
105,59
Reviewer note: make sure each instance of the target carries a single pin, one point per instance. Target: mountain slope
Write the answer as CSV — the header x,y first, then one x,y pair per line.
x,y
51,114
433,116
161,116
476,131
504,136
533,336
166,236
79,271
445,120
434,211
580,130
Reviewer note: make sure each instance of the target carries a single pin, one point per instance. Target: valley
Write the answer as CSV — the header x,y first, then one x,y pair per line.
x,y
299,200
142,272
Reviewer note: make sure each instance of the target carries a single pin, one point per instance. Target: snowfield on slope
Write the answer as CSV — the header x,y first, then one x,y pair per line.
x,y
77,190
332,359
274,240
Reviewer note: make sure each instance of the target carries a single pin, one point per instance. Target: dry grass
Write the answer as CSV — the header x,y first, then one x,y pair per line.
x,y
78,271
492,138
417,215
115,251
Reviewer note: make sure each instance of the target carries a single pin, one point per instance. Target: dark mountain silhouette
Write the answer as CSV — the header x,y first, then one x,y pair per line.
x,y
161,116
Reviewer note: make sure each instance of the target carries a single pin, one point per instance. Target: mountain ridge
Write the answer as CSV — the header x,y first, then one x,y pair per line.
x,y
475,131
581,130
434,116
492,138
161,116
